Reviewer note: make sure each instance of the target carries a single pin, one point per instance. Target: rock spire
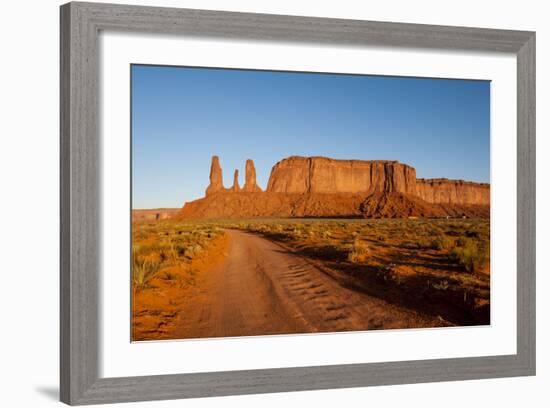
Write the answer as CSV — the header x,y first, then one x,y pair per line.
x,y
236,186
216,177
250,185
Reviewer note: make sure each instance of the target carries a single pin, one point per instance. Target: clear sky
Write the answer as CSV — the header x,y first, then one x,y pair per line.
x,y
182,116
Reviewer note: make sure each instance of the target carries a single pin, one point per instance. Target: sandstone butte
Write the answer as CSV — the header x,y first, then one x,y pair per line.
x,y
324,187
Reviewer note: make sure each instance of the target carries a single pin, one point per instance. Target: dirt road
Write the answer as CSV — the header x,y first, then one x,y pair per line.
x,y
262,288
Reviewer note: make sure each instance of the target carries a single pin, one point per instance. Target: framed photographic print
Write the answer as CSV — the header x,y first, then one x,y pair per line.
x,y
259,203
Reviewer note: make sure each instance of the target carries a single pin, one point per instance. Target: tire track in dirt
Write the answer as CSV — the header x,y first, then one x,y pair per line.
x,y
262,288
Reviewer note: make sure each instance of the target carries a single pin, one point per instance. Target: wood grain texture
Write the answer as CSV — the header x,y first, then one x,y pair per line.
x,y
272,27
526,195
80,194
79,204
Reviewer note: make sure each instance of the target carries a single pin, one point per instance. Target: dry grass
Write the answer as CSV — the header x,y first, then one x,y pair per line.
x,y
167,248
167,259
142,271
358,252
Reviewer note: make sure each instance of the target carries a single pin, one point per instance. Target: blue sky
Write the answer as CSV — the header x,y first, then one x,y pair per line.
x,y
182,116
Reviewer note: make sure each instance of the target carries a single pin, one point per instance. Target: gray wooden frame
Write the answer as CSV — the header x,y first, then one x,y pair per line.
x,y
80,192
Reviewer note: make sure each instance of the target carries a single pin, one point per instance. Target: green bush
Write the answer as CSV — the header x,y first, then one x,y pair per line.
x,y
443,242
471,255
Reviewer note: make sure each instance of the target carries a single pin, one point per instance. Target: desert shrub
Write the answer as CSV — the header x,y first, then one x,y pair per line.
x,y
164,249
442,242
406,245
418,243
423,243
278,228
296,234
179,247
140,234
143,271
192,251
359,250
435,230
386,273
144,249
442,285
471,255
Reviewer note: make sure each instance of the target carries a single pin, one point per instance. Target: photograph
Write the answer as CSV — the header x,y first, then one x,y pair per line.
x,y
289,203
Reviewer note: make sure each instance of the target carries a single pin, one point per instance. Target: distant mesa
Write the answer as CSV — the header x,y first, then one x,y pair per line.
x,y
323,187
155,214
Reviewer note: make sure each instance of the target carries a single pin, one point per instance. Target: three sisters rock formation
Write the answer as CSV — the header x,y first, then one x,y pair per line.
x,y
323,187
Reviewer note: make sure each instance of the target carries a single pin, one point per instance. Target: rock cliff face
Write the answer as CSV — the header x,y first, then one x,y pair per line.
x,y
323,187
322,175
155,214
445,191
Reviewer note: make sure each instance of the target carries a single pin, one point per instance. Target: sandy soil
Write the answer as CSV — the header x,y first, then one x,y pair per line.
x,y
262,288
156,308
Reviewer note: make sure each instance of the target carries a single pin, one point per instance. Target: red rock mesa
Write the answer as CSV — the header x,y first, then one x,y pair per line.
x,y
324,187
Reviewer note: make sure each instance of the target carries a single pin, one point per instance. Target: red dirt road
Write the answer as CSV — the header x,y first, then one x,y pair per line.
x,y
262,288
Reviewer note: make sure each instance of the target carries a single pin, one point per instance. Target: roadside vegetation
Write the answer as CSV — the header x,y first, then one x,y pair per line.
x,y
166,247
432,265
167,257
